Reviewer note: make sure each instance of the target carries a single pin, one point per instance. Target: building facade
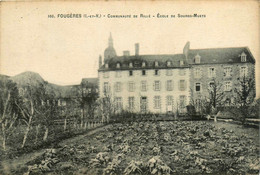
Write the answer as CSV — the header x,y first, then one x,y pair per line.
x,y
168,83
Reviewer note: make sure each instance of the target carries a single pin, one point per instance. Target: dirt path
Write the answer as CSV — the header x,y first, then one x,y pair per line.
x,y
8,166
80,137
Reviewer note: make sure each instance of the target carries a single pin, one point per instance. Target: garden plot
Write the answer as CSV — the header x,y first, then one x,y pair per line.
x,y
156,148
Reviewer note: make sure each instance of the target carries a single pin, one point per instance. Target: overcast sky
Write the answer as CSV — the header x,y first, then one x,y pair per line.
x,y
63,51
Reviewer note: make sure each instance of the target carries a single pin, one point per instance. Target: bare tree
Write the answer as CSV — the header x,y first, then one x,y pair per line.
x,y
106,107
9,113
32,100
48,108
245,94
214,98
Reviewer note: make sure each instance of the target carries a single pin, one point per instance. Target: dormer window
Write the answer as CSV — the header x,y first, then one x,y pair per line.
x,y
156,64
181,63
131,65
243,57
143,64
197,59
106,65
117,65
169,63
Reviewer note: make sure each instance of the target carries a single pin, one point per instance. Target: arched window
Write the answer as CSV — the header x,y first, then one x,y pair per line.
x,y
117,65
156,64
143,64
130,65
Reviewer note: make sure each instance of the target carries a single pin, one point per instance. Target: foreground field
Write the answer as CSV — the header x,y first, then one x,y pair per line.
x,y
156,148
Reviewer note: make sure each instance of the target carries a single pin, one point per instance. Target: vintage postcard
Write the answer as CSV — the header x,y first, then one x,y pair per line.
x,y
129,87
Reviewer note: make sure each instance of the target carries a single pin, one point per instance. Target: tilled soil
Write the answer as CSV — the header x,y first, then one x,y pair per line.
x,y
155,148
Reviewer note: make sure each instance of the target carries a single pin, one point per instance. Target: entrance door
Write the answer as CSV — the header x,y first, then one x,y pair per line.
x,y
143,104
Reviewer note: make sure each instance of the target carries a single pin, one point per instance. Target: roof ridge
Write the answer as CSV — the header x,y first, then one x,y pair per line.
x,y
220,48
149,55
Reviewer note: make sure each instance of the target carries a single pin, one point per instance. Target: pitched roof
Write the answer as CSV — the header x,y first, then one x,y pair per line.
x,y
148,59
220,55
89,81
207,56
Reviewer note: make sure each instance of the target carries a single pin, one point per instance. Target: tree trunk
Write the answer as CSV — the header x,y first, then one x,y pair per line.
x,y
37,133
46,133
85,125
82,117
65,124
4,137
27,131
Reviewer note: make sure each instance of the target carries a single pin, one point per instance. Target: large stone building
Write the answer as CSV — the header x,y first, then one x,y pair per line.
x,y
167,83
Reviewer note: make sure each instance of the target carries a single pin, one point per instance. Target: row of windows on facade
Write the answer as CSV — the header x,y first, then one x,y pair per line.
x,y
156,101
197,72
157,72
197,59
212,71
227,86
156,64
144,86
169,86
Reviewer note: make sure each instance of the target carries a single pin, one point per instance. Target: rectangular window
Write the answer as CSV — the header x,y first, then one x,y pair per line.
x,y
182,101
131,103
169,100
143,86
212,72
106,87
118,74
156,72
197,87
227,86
144,104
105,74
197,72
169,85
211,86
243,71
118,103
157,102
182,72
130,73
143,72
157,85
118,87
168,72
131,86
182,85
227,71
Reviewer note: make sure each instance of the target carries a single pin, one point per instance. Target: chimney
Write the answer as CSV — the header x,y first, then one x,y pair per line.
x,y
186,49
126,53
136,49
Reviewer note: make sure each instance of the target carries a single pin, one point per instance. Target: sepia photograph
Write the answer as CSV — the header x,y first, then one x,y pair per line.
x,y
129,87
